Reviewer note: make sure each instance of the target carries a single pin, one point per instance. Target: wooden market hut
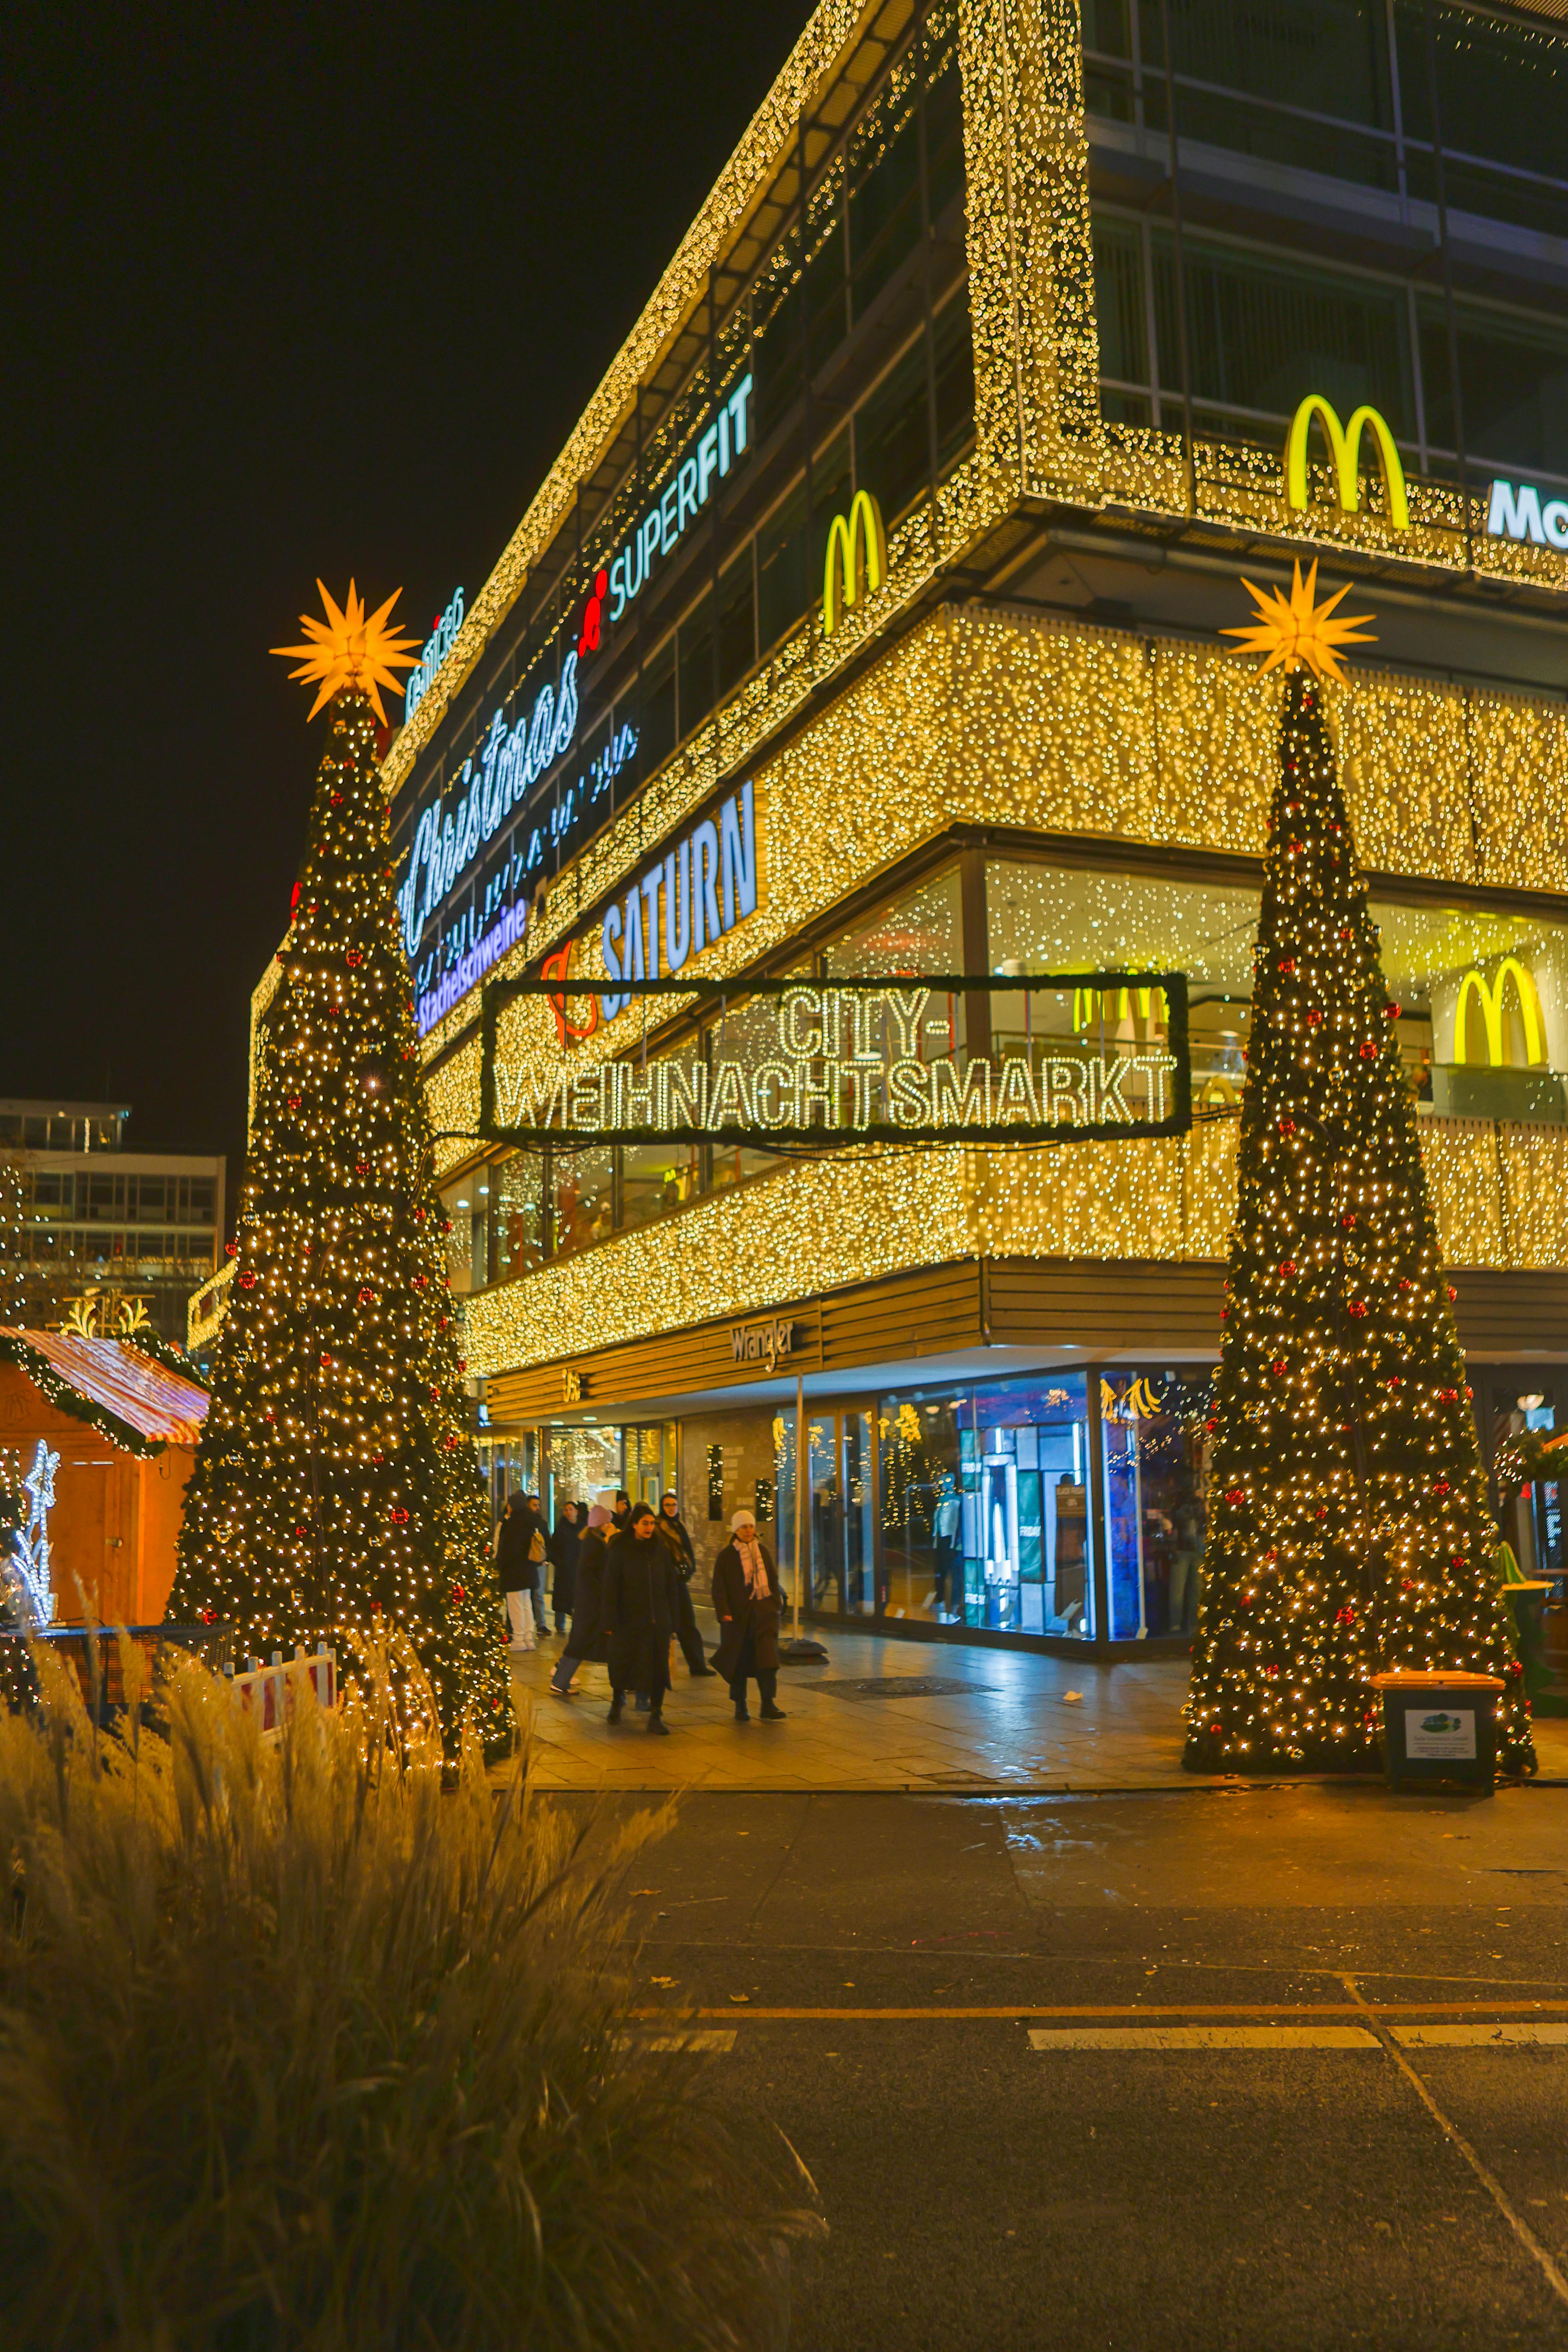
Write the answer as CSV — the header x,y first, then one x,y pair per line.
x,y
125,1428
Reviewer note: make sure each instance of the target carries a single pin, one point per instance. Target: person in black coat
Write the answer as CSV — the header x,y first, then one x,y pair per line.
x,y
673,1529
641,1611
746,1603
565,1538
586,1639
518,1573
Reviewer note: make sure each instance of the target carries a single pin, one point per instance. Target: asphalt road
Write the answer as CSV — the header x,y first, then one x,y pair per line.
x,y
1004,2178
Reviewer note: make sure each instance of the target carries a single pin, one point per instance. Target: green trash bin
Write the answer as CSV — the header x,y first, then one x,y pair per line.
x,y
1439,1727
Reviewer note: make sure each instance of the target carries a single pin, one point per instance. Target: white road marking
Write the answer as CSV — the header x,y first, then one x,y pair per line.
x,y
1476,2037
713,2040
1202,2037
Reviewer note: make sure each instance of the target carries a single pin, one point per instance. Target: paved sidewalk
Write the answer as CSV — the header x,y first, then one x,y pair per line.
x,y
1021,1722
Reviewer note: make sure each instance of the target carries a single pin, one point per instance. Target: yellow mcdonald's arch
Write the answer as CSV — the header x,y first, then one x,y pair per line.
x,y
1344,448
861,537
1118,1003
1489,996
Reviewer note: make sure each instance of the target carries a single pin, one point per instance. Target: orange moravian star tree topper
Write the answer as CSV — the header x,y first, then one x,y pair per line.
x,y
350,649
1290,631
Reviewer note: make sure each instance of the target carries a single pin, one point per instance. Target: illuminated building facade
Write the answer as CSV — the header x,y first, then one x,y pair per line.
x,y
866,626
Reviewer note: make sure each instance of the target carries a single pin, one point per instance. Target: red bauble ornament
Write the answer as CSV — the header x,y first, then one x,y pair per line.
x,y
356,957
231,1249
1345,1616
1279,1368
459,1594
398,1515
1235,1494
1288,1266
294,1101
1357,1307
1453,1293
1287,964
246,1281
1368,1050
1441,1486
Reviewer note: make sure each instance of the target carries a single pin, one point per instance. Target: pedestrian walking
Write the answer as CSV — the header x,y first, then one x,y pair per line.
x,y
746,1603
565,1537
516,1535
672,1527
640,1614
586,1639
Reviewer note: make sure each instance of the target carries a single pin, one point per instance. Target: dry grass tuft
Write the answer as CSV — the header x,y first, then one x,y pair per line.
x,y
300,2054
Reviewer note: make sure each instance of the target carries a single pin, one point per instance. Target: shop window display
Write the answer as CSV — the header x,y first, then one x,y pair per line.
x,y
1155,1446
985,1505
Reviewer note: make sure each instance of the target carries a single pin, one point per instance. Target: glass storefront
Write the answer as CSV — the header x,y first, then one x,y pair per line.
x,y
974,1506
1155,1448
1515,1401
574,1464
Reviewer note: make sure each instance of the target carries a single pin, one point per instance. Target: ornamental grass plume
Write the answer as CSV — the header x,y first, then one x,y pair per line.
x,y
300,2052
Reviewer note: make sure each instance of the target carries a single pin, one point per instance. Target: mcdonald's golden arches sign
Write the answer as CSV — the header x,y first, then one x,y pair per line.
x,y
857,552
1345,450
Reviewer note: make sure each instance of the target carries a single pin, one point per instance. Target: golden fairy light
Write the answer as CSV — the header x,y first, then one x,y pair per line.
x,y
350,649
1296,631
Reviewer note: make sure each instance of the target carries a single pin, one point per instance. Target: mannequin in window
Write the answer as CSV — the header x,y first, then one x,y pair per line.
x,y
1071,1551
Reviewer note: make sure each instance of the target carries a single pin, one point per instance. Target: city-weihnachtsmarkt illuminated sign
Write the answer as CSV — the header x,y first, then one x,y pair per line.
x,y
918,1059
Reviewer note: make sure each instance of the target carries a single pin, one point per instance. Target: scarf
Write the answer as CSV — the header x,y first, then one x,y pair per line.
x,y
754,1567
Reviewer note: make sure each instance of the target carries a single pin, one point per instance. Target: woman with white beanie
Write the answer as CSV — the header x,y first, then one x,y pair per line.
x,y
587,1638
746,1603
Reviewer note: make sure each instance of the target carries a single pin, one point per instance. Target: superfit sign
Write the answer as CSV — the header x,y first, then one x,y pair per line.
x,y
941,1059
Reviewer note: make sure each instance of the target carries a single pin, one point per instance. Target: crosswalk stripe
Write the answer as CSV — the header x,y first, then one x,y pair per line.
x,y
1203,2037
1476,2037
715,2042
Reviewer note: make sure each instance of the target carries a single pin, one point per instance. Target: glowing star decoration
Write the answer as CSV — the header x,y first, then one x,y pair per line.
x,y
30,1552
350,649
1292,632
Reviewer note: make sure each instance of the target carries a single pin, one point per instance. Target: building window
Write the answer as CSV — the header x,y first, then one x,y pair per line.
x,y
583,1202
1156,1450
516,1215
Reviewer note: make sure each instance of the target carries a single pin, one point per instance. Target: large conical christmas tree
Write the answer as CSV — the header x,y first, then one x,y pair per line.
x,y
336,1496
1348,1529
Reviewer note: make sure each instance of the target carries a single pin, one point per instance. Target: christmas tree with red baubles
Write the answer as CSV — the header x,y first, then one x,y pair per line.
x,y
336,1496
1348,1527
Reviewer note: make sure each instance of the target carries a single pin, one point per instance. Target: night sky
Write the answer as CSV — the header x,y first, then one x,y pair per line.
x,y
291,292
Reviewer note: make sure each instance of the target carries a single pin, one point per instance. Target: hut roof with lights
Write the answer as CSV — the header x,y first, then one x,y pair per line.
x,y
117,1430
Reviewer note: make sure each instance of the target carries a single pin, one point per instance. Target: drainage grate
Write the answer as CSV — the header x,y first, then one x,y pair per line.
x,y
906,1686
